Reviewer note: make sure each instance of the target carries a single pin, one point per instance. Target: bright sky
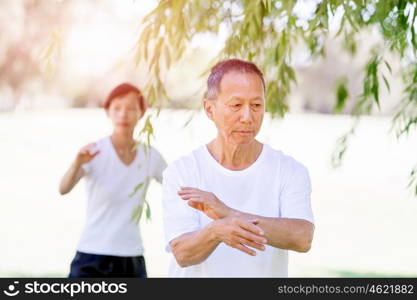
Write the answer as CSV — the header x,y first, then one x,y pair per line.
x,y
98,40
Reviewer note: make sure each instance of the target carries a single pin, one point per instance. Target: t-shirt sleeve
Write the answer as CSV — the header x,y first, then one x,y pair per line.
x,y
295,202
179,218
158,165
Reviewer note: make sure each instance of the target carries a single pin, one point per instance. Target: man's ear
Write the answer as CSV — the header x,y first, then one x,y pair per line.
x,y
208,108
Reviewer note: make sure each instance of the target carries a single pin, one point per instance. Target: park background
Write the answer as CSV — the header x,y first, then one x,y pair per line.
x,y
59,59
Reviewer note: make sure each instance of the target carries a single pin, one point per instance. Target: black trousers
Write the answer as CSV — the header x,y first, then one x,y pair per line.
x,y
86,265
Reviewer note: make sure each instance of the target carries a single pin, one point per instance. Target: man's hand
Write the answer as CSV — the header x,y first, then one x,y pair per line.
x,y
239,233
206,202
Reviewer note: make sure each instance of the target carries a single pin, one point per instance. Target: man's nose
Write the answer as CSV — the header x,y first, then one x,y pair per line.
x,y
246,114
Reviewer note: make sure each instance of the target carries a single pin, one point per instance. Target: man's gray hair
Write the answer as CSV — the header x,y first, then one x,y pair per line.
x,y
225,66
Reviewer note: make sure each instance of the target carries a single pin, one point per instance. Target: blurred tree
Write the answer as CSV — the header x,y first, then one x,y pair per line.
x,y
19,52
267,32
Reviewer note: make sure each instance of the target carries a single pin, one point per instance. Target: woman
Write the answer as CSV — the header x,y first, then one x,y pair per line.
x,y
114,167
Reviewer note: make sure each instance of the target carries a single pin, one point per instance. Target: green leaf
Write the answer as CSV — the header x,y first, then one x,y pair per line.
x,y
412,184
137,213
148,211
388,66
342,95
342,144
386,83
137,187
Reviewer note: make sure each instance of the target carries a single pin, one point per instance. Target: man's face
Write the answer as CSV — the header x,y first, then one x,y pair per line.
x,y
239,108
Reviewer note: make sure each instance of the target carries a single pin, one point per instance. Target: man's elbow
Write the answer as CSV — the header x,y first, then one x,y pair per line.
x,y
181,261
303,246
305,239
180,256
184,260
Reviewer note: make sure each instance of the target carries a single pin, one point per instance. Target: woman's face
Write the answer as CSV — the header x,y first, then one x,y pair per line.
x,y
125,112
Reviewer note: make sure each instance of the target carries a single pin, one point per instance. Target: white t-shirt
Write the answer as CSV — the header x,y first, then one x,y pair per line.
x,y
275,185
111,228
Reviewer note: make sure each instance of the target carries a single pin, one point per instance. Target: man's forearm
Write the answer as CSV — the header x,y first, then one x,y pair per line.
x,y
194,247
284,233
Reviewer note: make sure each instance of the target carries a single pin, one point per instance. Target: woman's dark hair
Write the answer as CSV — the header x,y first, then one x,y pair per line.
x,y
124,89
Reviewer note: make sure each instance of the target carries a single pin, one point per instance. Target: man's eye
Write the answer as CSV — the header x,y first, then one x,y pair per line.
x,y
237,105
256,105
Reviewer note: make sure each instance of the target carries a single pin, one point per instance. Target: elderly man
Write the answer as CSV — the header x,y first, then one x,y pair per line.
x,y
234,207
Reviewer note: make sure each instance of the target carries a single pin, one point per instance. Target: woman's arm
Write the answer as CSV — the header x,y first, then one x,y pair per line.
x,y
75,172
